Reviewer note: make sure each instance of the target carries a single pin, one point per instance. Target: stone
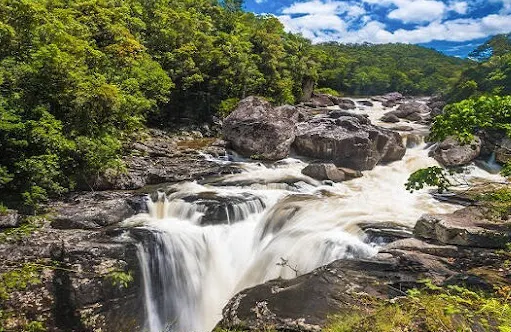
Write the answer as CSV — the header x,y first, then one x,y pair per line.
x,y
93,211
221,209
307,302
402,128
450,152
10,219
365,103
385,232
389,103
466,227
348,141
503,151
322,172
389,117
393,96
344,103
319,100
253,129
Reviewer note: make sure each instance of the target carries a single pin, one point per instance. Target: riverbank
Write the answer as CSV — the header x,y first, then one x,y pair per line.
x,y
122,260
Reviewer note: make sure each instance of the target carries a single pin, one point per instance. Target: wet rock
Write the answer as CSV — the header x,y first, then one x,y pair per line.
x,y
402,128
450,152
93,211
344,103
385,232
348,141
254,129
393,96
220,209
389,118
350,173
307,302
406,109
389,103
466,227
410,111
10,219
365,103
503,151
319,100
324,172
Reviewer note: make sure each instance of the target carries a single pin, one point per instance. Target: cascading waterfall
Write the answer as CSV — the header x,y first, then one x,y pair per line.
x,y
270,222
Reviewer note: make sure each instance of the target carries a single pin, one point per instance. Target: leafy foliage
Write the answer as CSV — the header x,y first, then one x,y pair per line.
x,y
465,118
366,69
432,176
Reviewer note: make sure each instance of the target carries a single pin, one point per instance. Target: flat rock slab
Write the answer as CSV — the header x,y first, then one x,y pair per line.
x,y
466,227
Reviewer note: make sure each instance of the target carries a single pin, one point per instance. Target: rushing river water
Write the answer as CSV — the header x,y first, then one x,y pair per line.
x,y
277,223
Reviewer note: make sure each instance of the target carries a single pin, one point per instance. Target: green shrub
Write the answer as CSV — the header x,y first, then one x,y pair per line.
x,y
328,91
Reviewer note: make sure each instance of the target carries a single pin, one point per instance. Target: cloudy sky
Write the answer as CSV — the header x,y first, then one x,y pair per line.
x,y
454,27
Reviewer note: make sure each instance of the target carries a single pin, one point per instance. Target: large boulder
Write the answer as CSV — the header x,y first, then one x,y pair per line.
x,y
322,172
451,152
218,209
254,129
466,227
344,103
410,111
320,100
348,141
96,210
389,118
308,302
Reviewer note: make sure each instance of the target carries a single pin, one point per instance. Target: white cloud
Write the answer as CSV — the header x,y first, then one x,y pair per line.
x,y
325,7
418,11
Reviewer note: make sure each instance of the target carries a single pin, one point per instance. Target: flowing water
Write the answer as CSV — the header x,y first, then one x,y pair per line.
x,y
208,242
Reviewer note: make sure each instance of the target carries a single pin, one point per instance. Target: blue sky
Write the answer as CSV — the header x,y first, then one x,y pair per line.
x,y
454,27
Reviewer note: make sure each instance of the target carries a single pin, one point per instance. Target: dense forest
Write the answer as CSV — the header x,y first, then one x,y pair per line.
x,y
80,78
375,69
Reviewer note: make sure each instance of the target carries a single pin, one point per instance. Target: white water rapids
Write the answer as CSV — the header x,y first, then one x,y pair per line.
x,y
276,215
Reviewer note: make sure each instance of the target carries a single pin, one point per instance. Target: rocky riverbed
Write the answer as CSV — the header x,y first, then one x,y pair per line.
x,y
79,267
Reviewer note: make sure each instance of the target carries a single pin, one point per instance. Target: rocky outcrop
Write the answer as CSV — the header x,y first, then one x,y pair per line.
x,y
389,118
451,152
161,158
344,103
306,303
467,227
319,100
96,210
253,129
320,171
348,141
221,209
411,111
9,219
74,286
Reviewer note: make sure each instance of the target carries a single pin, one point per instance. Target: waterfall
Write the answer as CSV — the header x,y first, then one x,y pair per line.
x,y
204,243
